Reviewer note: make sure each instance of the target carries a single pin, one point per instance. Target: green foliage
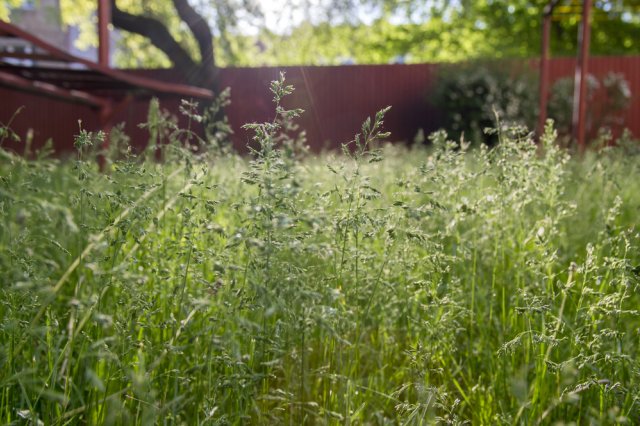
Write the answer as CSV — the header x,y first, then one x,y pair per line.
x,y
380,286
216,125
6,6
6,133
415,31
85,139
512,28
379,42
471,94
418,31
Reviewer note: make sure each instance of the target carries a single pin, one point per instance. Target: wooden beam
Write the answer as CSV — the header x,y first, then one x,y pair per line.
x,y
140,82
544,64
104,19
28,56
580,83
18,83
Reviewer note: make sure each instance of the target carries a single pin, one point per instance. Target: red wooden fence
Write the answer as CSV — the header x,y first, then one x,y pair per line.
x,y
336,100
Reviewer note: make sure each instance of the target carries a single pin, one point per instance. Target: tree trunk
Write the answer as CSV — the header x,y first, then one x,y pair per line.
x,y
202,33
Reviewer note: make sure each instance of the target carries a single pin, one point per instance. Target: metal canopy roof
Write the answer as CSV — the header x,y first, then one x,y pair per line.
x,y
31,64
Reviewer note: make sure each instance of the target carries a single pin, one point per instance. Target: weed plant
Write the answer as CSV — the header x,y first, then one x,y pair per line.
x,y
384,285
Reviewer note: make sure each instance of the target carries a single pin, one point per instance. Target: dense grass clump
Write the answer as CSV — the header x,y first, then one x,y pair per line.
x,y
381,286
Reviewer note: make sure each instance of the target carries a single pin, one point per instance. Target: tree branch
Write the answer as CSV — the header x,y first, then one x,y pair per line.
x,y
157,34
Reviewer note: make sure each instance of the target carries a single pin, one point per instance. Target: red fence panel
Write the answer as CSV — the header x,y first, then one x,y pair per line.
x,y
336,99
46,118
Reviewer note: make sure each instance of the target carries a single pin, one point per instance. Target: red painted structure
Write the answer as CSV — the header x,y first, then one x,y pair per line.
x,y
68,79
66,64
544,64
578,122
582,71
104,19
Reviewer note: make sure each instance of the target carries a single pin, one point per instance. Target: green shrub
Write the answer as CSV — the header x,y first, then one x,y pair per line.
x,y
471,94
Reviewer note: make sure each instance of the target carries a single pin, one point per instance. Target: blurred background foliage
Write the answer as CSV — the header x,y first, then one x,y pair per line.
x,y
320,32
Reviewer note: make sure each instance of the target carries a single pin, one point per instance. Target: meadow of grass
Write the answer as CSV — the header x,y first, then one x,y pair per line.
x,y
380,286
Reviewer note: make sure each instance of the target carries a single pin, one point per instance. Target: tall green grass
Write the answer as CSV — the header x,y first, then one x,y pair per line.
x,y
385,285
